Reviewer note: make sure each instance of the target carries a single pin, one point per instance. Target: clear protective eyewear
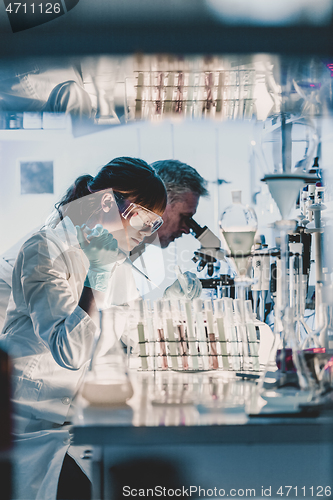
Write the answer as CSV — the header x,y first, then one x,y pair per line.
x,y
141,218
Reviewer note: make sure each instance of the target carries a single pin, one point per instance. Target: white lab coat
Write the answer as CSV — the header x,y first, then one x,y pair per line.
x,y
6,270
7,260
49,338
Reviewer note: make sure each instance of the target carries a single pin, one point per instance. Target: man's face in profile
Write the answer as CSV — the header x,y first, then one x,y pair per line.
x,y
175,218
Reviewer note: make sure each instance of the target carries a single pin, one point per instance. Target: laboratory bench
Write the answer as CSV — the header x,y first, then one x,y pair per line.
x,y
205,430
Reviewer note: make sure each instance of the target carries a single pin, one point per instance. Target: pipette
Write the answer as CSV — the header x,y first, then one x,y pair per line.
x,y
128,260
96,232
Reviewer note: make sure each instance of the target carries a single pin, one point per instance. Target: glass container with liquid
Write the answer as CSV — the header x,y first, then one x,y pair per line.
x,y
238,226
107,381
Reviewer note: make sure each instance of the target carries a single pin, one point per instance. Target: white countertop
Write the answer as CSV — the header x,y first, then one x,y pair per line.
x,y
194,407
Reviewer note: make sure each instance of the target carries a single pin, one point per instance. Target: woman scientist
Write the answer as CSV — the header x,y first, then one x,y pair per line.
x,y
59,275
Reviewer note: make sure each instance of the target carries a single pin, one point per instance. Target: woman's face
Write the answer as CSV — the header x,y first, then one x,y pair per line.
x,y
130,237
127,232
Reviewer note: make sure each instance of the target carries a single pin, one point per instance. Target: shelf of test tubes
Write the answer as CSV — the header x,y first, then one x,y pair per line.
x,y
221,94
198,335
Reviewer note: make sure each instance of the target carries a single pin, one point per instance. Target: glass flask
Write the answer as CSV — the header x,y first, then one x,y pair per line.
x,y
287,366
271,137
238,226
107,381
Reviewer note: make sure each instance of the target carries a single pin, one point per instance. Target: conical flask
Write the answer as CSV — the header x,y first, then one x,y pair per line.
x,y
107,381
238,226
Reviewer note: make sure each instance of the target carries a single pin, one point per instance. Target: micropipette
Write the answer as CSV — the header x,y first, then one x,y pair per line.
x,y
128,260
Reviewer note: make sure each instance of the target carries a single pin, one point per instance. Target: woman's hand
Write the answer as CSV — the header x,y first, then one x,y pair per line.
x,y
101,248
99,245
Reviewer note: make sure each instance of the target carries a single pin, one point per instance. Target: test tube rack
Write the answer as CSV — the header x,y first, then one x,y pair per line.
x,y
222,94
192,336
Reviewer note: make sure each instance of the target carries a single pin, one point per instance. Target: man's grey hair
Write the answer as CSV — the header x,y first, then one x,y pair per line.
x,y
180,178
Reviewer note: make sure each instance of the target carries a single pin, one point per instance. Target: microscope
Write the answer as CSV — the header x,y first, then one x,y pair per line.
x,y
209,253
210,250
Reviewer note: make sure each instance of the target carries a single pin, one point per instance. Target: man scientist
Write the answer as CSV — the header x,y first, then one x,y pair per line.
x,y
184,187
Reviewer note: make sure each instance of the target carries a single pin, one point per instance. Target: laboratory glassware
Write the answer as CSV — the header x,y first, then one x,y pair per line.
x,y
231,333
221,329
158,321
170,330
201,333
107,381
142,336
181,333
286,364
149,315
213,357
238,225
192,341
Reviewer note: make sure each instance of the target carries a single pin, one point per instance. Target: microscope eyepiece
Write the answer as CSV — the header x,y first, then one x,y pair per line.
x,y
192,224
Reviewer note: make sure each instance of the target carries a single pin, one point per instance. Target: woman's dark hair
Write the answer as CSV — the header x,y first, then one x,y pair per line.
x,y
130,179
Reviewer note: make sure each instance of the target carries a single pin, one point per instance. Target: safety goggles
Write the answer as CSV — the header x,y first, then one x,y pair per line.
x,y
141,218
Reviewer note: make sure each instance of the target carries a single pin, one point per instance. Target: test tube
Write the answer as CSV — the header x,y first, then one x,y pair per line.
x,y
158,313
171,335
201,333
221,333
252,335
278,301
190,335
265,283
243,344
182,335
189,100
150,333
295,273
142,340
169,93
256,286
219,99
231,332
138,100
214,362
